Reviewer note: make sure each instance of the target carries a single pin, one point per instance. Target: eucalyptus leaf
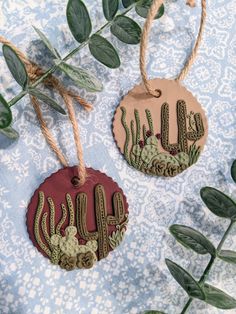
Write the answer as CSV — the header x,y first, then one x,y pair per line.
x,y
228,256
10,133
153,312
218,298
126,30
78,20
219,204
46,99
82,77
192,239
127,3
47,42
5,113
110,8
16,66
142,9
103,51
233,171
185,280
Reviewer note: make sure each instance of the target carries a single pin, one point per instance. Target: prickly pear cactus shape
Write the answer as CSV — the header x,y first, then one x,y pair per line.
x,y
148,153
152,140
168,159
183,158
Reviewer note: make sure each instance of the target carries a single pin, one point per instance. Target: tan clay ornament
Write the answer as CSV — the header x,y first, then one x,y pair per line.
x,y
160,136
160,127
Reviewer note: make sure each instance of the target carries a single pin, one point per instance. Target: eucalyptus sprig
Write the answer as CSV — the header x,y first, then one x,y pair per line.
x,y
80,24
222,206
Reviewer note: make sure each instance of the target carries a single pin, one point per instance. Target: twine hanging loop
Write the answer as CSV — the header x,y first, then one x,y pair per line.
x,y
144,44
35,72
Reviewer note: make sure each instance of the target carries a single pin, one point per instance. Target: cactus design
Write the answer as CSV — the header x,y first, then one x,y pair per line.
x,y
181,122
183,158
168,159
152,140
136,150
59,240
148,153
127,132
145,153
117,236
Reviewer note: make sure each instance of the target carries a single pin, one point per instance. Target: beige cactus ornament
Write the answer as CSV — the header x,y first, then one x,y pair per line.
x,y
159,126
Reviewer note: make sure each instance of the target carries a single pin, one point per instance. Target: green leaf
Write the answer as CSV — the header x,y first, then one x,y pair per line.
x,y
227,256
218,298
233,171
127,3
143,7
78,20
219,204
110,8
153,312
82,77
185,280
5,113
10,133
126,30
15,65
192,239
103,51
47,42
46,99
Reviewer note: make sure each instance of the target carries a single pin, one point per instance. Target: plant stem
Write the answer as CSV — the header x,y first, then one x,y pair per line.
x,y
17,98
187,305
209,265
51,70
225,235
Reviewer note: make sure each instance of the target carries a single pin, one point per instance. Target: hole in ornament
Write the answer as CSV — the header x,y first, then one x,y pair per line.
x,y
159,93
75,181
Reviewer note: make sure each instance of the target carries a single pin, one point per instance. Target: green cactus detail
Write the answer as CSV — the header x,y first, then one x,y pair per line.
x,y
138,131
194,153
195,135
148,153
145,133
138,128
167,158
132,132
136,150
183,158
150,121
181,122
123,121
152,140
143,149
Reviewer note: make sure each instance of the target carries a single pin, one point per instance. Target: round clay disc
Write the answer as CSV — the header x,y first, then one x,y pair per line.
x,y
162,135
77,226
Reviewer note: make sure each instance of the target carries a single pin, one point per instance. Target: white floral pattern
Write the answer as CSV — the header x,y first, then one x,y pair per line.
x,y
134,277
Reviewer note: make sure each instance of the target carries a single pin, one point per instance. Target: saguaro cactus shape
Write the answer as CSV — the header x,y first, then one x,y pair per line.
x,y
48,232
195,135
183,134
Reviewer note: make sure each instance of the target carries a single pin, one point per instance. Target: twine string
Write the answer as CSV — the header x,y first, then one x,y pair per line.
x,y
144,44
35,72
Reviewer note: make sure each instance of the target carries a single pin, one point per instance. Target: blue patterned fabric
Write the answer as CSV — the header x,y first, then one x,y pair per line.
x,y
134,277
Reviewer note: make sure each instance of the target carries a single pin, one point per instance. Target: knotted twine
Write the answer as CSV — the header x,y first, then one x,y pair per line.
x,y
144,43
34,73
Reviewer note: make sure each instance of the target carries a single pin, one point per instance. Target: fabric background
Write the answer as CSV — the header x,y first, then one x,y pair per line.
x,y
134,277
